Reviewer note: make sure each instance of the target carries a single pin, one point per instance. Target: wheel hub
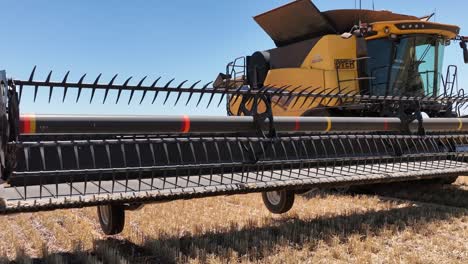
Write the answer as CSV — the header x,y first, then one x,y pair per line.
x,y
105,212
274,197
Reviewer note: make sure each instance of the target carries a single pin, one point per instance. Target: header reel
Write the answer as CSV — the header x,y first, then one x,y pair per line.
x,y
117,162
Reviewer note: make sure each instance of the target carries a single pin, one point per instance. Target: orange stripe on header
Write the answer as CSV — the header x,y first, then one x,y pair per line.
x,y
385,124
185,124
28,124
297,125
21,125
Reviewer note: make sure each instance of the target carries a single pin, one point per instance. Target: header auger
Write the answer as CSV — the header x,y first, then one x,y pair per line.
x,y
288,129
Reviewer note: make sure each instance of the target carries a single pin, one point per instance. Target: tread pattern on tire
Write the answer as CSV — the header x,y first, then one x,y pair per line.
x,y
286,203
116,219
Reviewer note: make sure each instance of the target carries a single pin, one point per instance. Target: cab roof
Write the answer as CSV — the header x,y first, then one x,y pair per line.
x,y
301,20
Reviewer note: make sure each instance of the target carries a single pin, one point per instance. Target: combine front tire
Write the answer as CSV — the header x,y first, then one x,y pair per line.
x,y
111,218
278,202
448,180
441,181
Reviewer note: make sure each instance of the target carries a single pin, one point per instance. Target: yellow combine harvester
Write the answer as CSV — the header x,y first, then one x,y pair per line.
x,y
339,102
364,52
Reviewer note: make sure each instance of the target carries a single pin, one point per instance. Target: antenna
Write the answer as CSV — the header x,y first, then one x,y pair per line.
x,y
373,5
360,8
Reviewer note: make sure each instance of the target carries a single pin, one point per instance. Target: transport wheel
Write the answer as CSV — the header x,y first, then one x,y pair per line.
x,y
449,180
443,181
111,218
278,202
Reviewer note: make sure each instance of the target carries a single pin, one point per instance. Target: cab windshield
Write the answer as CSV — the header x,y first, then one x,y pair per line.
x,y
408,66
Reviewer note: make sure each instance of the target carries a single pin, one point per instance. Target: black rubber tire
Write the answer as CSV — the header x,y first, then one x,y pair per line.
x,y
285,203
448,180
113,221
443,181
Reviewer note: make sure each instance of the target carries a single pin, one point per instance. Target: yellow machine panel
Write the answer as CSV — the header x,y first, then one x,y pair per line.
x,y
332,58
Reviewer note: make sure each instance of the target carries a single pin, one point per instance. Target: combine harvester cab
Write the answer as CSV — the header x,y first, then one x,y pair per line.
x,y
362,52
280,138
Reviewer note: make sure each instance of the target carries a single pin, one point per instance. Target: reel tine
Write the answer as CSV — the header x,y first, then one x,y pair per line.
x,y
165,88
203,90
275,93
169,92
65,87
31,78
269,91
266,90
122,87
94,87
336,91
299,96
315,96
80,88
192,89
156,93
237,94
180,92
222,96
146,90
138,86
345,91
280,94
20,92
308,96
423,98
211,97
438,97
260,91
292,93
322,95
108,87
51,88
351,94
250,97
275,89
282,90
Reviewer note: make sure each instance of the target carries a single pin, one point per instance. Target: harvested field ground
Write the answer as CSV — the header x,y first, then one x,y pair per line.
x,y
408,224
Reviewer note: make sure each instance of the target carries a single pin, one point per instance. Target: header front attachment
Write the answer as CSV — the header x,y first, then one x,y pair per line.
x,y
120,162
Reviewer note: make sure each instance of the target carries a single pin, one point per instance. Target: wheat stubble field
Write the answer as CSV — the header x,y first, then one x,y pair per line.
x,y
409,224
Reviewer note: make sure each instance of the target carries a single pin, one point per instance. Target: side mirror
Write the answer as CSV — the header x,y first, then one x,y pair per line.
x,y
465,51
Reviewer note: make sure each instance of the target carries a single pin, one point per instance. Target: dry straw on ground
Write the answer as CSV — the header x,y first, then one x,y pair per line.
x,y
407,224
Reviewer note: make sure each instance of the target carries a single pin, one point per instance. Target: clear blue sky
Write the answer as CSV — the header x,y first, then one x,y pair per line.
x,y
178,38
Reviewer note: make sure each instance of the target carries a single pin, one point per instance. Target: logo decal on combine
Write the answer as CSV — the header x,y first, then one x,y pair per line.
x,y
317,58
345,64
